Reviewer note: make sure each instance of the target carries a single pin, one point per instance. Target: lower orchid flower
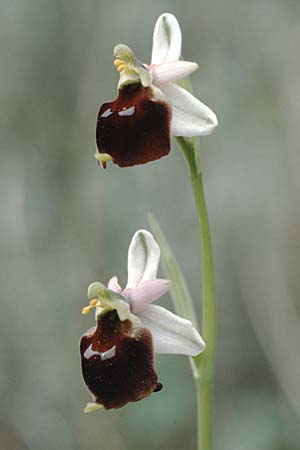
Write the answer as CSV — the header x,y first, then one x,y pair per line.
x,y
118,353
136,127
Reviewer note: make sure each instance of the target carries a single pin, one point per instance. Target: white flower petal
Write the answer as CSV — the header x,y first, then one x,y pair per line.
x,y
166,40
113,285
143,258
171,333
171,71
190,117
145,293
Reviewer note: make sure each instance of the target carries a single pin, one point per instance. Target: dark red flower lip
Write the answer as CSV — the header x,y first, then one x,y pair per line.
x,y
117,362
134,128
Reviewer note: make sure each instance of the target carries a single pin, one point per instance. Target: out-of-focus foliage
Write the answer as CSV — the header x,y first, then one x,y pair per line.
x,y
65,222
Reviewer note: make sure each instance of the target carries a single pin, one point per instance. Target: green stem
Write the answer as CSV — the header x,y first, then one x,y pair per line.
x,y
206,361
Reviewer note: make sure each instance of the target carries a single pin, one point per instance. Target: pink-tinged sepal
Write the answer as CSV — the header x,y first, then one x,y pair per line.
x,y
171,71
134,128
146,293
117,362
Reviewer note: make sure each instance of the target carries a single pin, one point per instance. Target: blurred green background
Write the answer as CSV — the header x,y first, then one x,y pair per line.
x,y
65,222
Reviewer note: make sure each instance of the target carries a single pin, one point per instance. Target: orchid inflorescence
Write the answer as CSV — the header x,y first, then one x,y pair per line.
x,y
117,354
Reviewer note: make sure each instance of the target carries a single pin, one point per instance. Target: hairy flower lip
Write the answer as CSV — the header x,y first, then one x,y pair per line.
x,y
115,353
134,128
179,112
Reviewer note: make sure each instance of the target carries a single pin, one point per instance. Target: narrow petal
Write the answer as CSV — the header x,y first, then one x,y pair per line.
x,y
166,40
145,293
190,117
143,258
113,285
171,71
171,333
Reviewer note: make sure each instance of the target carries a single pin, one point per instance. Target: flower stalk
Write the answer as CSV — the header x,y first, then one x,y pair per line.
x,y
205,362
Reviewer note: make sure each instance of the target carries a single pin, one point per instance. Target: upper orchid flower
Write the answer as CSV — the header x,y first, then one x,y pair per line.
x,y
117,354
135,128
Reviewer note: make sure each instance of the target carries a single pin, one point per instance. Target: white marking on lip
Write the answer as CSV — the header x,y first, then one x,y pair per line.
x,y
107,113
127,112
108,354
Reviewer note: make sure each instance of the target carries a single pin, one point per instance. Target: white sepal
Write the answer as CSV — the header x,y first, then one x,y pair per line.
x,y
190,117
166,40
143,258
171,333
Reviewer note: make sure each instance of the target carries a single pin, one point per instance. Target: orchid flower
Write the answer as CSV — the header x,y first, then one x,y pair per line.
x,y
117,354
136,127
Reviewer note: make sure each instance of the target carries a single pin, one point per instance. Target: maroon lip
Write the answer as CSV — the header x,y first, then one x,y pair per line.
x,y
117,362
134,128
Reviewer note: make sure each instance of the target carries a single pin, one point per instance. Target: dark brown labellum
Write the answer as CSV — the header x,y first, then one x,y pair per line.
x,y
117,362
134,128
